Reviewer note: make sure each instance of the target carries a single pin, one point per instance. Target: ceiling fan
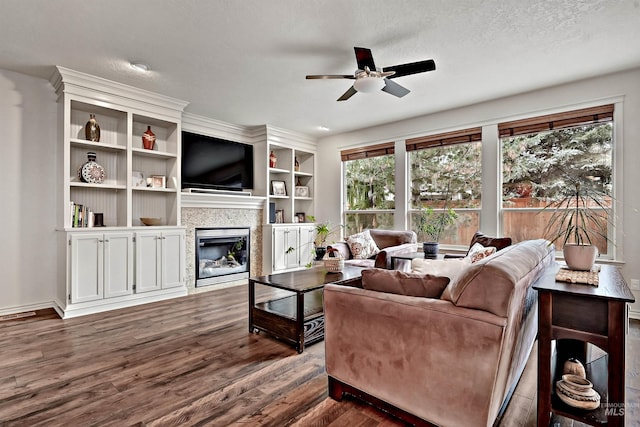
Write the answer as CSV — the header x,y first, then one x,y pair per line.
x,y
368,78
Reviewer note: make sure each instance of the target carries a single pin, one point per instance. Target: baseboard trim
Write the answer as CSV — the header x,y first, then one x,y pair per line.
x,y
26,308
99,306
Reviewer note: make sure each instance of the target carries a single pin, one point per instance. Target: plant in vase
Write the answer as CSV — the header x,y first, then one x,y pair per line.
x,y
323,231
432,224
319,249
580,216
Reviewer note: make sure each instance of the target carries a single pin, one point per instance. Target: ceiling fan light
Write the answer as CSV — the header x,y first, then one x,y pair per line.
x,y
368,84
140,66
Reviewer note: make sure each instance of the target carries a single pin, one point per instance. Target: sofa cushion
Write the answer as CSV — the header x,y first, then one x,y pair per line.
x,y
399,282
389,238
362,245
488,284
450,268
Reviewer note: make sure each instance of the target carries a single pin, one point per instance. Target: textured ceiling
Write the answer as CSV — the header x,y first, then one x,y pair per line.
x,y
245,62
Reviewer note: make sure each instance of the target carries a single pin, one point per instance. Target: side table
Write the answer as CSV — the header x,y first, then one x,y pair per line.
x,y
588,314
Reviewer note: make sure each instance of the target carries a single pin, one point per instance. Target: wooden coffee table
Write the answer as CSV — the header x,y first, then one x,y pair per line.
x,y
296,317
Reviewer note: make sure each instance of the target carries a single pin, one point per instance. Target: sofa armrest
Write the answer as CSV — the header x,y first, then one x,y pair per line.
x,y
383,258
343,248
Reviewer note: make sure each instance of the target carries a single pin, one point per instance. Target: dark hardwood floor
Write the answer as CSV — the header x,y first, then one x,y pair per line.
x,y
189,361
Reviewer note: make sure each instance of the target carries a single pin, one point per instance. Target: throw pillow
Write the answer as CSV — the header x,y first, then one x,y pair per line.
x,y
362,245
401,283
450,268
499,242
478,252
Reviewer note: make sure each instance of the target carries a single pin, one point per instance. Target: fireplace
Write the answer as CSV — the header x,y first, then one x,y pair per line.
x,y
222,255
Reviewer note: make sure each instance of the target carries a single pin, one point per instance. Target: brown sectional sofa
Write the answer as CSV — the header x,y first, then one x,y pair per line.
x,y
388,241
450,361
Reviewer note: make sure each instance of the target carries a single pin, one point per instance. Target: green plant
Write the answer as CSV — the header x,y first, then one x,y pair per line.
x,y
323,231
581,215
433,223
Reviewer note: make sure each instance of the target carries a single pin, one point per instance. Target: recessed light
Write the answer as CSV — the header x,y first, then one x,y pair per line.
x,y
140,66
323,128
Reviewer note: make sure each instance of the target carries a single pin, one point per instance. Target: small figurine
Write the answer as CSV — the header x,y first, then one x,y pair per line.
x,y
92,129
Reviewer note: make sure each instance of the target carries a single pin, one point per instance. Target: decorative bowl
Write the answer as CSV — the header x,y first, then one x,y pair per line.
x,y
151,221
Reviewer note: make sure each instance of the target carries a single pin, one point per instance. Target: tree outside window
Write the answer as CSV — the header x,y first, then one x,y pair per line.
x,y
538,167
369,193
447,177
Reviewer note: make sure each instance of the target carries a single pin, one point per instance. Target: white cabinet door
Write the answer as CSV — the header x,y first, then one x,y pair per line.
x,y
292,248
288,248
172,259
148,265
118,264
87,267
101,266
279,248
307,235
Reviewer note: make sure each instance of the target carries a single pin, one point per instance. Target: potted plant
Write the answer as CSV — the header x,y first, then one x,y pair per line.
x,y
432,224
580,216
323,230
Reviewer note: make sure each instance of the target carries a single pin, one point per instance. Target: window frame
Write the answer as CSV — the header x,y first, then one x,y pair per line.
x,y
491,207
359,153
608,112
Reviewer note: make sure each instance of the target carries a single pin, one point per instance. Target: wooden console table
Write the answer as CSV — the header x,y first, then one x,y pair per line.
x,y
588,314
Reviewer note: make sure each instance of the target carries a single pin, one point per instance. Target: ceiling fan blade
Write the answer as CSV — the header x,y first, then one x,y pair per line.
x,y
411,68
394,88
331,76
364,58
348,94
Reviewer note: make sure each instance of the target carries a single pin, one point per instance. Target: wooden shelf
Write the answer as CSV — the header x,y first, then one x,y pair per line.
x,y
152,153
104,186
286,306
155,189
91,145
278,170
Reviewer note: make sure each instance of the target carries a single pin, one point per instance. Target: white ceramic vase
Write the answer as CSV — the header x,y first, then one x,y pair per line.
x,y
579,257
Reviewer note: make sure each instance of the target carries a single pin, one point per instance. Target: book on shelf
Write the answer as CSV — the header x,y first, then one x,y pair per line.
x,y
81,216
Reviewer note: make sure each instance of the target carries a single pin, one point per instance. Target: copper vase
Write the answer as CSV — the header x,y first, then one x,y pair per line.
x,y
148,139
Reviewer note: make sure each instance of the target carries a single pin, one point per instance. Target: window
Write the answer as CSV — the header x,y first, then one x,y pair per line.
x,y
445,171
542,155
369,196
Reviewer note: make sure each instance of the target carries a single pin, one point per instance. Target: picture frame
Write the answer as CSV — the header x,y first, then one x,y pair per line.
x,y
158,181
278,188
302,191
279,216
301,217
137,179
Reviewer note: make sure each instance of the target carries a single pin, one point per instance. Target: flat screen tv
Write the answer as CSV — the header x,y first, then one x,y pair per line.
x,y
214,163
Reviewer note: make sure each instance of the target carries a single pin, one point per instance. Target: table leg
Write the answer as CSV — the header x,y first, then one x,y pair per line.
x,y
616,350
252,302
300,320
544,359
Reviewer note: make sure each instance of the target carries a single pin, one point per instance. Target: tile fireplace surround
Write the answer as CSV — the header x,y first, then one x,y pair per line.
x,y
200,210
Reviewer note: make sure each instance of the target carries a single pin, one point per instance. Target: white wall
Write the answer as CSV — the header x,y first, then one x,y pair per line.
x,y
624,85
28,137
